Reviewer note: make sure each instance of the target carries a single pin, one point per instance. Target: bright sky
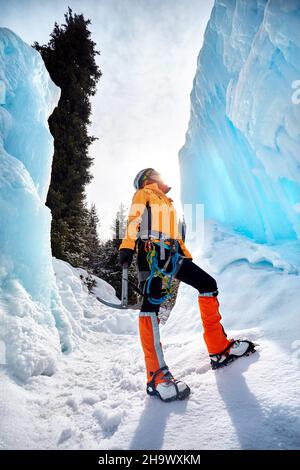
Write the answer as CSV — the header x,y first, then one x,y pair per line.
x,y
148,59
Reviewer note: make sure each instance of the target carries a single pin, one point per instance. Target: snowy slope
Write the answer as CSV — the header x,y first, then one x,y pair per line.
x,y
96,399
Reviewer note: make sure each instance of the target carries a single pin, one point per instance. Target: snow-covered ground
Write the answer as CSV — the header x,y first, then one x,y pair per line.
x,y
96,398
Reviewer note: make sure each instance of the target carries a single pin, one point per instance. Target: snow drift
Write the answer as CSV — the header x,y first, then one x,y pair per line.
x,y
241,156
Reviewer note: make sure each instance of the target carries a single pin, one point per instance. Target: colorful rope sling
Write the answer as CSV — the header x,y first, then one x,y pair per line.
x,y
155,271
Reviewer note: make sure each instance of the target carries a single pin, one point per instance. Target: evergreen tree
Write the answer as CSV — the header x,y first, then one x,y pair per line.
x,y
70,59
109,268
93,244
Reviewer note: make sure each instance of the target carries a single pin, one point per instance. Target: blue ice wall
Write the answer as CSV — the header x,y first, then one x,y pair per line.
x,y
241,158
27,98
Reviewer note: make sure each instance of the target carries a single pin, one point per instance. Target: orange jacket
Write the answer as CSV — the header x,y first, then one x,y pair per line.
x,y
163,218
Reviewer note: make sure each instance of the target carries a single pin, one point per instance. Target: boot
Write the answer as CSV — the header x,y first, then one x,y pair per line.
x,y
169,389
236,349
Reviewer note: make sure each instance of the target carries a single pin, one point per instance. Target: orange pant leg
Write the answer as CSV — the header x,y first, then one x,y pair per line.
x,y
214,334
150,340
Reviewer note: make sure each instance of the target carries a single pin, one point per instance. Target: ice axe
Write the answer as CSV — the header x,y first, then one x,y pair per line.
x,y
124,296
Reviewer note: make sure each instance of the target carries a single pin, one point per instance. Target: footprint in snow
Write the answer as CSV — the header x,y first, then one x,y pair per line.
x,y
65,435
93,399
109,419
72,404
197,370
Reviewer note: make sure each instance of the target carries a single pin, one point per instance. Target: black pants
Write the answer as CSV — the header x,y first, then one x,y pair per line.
x,y
189,273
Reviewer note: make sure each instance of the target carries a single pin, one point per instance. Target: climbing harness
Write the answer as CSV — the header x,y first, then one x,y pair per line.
x,y
174,260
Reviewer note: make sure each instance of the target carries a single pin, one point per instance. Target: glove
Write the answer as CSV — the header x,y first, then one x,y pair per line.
x,y
125,256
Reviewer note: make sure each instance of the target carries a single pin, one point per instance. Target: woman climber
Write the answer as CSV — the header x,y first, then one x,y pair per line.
x,y
152,231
